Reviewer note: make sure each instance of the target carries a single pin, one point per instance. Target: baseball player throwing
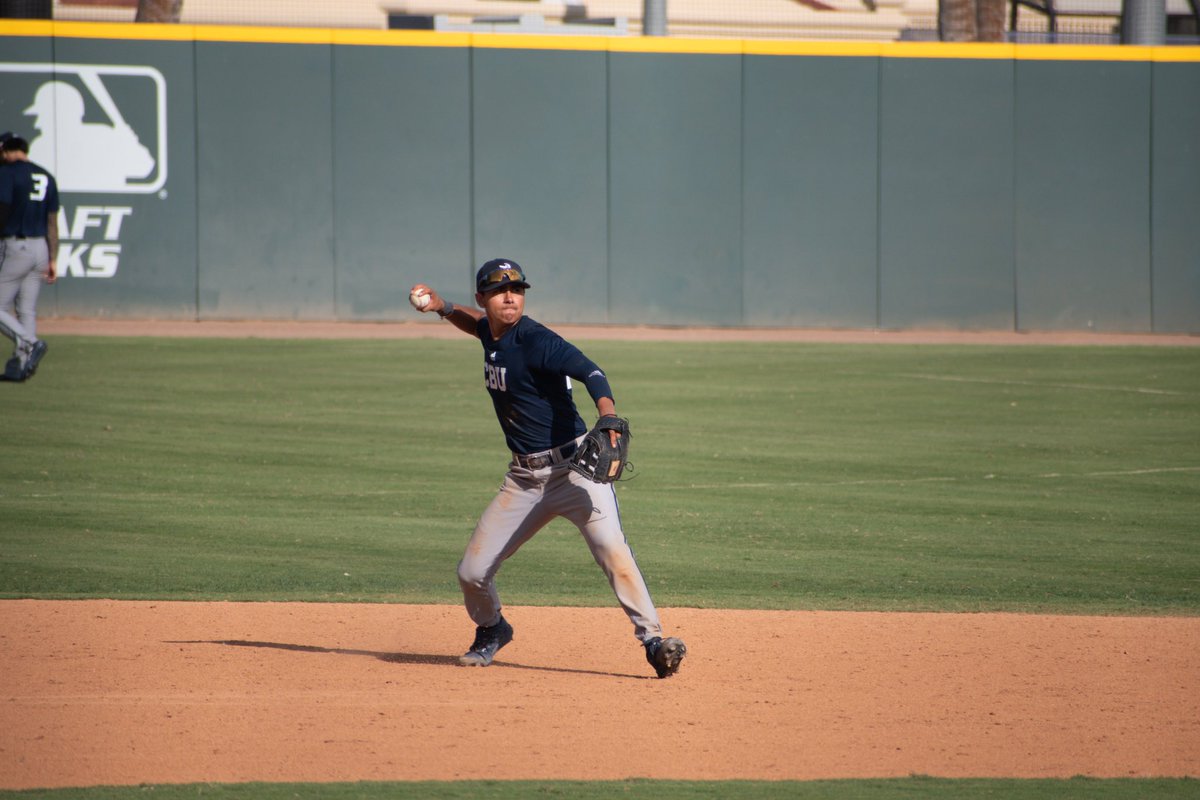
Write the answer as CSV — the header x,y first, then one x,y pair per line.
x,y
28,249
527,369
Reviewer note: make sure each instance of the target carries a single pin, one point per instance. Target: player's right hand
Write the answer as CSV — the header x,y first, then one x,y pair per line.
x,y
436,303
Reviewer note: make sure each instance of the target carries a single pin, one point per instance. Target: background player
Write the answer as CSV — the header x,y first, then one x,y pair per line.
x,y
526,367
28,252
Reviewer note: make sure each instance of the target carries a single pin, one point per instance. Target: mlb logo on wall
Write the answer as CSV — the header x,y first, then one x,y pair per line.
x,y
97,127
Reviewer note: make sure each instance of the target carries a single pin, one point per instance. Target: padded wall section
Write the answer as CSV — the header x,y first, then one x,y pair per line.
x,y
147,232
540,134
114,122
1176,198
810,177
675,240
946,194
265,180
401,177
1083,195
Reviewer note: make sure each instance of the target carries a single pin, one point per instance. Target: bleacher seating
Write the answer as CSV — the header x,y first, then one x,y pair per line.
x,y
763,19
290,13
1081,16
882,20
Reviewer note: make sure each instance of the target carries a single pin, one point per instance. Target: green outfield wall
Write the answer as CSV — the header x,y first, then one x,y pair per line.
x,y
233,173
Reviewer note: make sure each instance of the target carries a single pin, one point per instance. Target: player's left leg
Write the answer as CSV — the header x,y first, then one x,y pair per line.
x,y
26,308
594,510
30,288
16,263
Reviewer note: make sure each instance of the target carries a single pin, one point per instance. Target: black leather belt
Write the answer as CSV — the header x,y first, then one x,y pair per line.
x,y
545,458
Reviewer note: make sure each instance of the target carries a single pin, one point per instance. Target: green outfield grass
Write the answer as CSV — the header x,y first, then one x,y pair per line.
x,y
789,476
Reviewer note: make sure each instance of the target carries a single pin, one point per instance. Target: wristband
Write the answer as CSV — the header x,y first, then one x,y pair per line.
x,y
446,310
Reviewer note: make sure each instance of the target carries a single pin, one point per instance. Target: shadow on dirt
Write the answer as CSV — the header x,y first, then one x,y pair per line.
x,y
403,658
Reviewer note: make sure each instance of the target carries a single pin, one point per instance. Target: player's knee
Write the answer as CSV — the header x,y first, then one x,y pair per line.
x,y
614,556
471,576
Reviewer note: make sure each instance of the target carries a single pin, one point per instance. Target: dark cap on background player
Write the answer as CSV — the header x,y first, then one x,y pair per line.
x,y
13,144
497,273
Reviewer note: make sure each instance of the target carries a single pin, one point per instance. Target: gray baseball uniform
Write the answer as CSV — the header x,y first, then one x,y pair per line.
x,y
528,371
28,207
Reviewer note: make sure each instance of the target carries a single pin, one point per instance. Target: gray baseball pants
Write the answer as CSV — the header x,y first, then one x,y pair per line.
x,y
528,500
23,265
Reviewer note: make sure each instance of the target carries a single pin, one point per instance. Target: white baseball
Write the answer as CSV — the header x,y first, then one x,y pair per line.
x,y
419,300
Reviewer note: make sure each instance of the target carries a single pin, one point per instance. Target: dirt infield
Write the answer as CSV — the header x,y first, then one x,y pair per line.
x,y
108,692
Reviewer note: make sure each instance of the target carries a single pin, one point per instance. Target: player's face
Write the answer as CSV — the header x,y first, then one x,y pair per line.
x,y
504,305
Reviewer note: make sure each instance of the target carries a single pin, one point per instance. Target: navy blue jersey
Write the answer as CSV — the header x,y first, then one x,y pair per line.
x,y
31,195
526,374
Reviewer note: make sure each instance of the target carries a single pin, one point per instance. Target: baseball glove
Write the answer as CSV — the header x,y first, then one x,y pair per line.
x,y
597,458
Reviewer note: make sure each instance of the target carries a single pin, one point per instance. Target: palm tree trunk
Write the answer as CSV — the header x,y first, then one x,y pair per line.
x,y
956,20
158,10
971,20
989,20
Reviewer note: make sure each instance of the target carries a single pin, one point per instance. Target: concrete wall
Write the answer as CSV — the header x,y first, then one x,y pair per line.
x,y
317,174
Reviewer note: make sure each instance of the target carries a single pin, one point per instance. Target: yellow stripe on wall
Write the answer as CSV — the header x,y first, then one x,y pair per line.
x,y
26,27
1177,53
400,38
1083,52
663,44
616,44
998,51
777,47
535,41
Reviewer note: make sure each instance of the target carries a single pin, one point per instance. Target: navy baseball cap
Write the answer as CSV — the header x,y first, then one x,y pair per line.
x,y
499,272
4,137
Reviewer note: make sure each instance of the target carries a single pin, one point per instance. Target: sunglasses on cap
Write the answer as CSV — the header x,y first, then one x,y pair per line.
x,y
500,277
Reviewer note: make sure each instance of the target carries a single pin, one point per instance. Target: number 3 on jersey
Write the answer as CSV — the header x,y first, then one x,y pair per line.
x,y
40,184
495,377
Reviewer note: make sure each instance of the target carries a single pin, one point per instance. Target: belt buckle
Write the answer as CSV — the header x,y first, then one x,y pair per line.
x,y
546,459
533,462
